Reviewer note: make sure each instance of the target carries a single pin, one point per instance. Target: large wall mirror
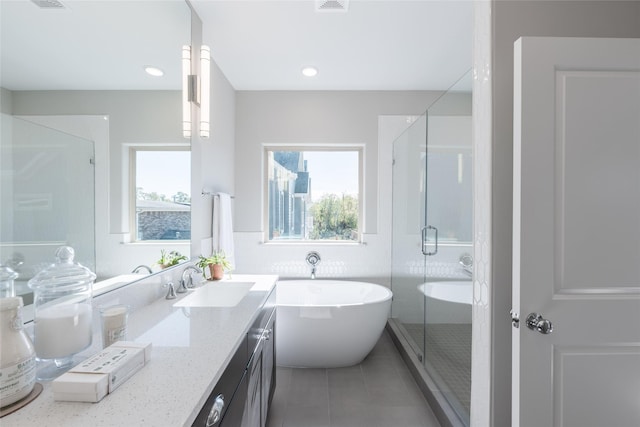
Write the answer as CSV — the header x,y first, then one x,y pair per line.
x,y
77,105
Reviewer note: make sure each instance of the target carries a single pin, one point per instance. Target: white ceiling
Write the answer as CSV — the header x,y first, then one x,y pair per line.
x,y
92,45
374,45
258,44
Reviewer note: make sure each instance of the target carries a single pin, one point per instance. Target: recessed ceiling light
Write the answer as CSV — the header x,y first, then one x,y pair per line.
x,y
309,71
154,71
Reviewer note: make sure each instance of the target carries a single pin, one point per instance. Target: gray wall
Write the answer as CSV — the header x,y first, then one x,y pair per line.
x,y
511,20
313,117
318,117
212,161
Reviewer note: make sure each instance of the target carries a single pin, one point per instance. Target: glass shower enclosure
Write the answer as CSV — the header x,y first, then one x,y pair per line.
x,y
432,243
46,196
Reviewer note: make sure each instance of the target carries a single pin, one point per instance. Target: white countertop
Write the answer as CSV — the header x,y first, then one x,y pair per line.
x,y
191,348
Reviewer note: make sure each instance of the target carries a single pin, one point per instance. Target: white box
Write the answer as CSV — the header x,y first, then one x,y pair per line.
x,y
119,363
101,374
77,387
146,346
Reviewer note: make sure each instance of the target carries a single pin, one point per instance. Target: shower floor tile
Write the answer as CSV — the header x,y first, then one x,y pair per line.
x,y
379,392
447,356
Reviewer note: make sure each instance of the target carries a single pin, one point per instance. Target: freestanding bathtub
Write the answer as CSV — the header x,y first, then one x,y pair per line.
x,y
328,323
448,301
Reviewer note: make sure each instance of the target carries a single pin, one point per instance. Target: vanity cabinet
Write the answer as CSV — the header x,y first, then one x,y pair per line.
x,y
261,369
242,396
261,373
229,394
268,367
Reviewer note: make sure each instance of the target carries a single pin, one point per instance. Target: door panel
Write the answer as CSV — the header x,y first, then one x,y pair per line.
x,y
598,181
577,232
573,388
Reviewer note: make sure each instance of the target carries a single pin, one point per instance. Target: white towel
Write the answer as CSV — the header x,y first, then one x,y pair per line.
x,y
222,227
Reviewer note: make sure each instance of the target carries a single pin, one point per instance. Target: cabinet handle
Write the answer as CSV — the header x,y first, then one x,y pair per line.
x,y
216,411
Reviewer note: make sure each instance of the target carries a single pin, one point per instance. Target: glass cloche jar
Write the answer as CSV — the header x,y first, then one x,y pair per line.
x,y
62,313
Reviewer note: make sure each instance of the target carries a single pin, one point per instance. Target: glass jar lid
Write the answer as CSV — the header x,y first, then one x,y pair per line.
x,y
64,274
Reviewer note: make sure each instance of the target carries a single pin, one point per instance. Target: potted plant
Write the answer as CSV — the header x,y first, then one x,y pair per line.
x,y
217,264
169,259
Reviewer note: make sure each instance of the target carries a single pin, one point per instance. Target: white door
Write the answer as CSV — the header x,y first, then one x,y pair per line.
x,y
576,238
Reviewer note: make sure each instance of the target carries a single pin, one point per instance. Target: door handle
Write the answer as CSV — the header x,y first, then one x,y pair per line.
x,y
536,322
425,229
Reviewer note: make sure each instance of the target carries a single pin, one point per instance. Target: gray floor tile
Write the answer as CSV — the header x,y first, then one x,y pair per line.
x,y
355,394
379,392
306,377
401,416
351,416
309,395
304,416
348,384
283,377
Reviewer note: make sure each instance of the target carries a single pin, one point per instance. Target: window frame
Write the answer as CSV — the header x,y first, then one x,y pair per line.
x,y
360,149
133,227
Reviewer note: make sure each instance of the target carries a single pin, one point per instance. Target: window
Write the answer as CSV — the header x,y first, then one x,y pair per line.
x,y
161,188
313,194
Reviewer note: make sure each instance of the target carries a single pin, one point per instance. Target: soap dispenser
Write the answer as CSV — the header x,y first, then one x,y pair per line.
x,y
62,313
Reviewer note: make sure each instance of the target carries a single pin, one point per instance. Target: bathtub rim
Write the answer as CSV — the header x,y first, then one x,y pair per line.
x,y
388,296
422,288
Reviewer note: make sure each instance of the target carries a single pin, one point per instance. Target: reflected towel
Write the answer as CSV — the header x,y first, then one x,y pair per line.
x,y
222,228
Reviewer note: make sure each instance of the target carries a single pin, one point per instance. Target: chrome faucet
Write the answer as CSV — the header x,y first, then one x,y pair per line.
x,y
466,261
171,293
185,274
313,259
142,267
16,260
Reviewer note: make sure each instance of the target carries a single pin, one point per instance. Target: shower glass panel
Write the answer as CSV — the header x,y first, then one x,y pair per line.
x,y
47,198
432,234
408,261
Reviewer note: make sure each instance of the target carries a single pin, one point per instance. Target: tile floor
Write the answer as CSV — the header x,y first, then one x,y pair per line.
x,y
448,351
379,392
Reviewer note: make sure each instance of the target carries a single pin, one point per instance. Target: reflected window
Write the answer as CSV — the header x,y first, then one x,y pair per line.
x,y
313,194
161,193
449,192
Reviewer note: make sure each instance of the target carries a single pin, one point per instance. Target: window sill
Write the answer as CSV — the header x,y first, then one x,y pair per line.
x,y
158,243
311,243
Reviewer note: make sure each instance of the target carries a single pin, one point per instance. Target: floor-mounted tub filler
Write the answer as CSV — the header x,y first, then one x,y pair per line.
x,y
328,323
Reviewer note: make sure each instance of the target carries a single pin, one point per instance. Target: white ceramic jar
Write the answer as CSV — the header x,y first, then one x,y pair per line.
x,y
17,355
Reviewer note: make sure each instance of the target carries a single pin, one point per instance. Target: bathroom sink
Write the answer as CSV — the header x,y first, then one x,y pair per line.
x,y
220,294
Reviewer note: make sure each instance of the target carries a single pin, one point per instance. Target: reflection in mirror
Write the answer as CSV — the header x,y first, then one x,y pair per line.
x,y
79,73
47,177
448,161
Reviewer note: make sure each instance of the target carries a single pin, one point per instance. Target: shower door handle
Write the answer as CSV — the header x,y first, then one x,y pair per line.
x,y
425,230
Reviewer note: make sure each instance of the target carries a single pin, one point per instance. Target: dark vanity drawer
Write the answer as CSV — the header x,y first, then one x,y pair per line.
x,y
226,386
255,332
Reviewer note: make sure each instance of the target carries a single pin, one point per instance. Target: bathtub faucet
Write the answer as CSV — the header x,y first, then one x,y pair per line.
x,y
466,261
313,259
142,267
